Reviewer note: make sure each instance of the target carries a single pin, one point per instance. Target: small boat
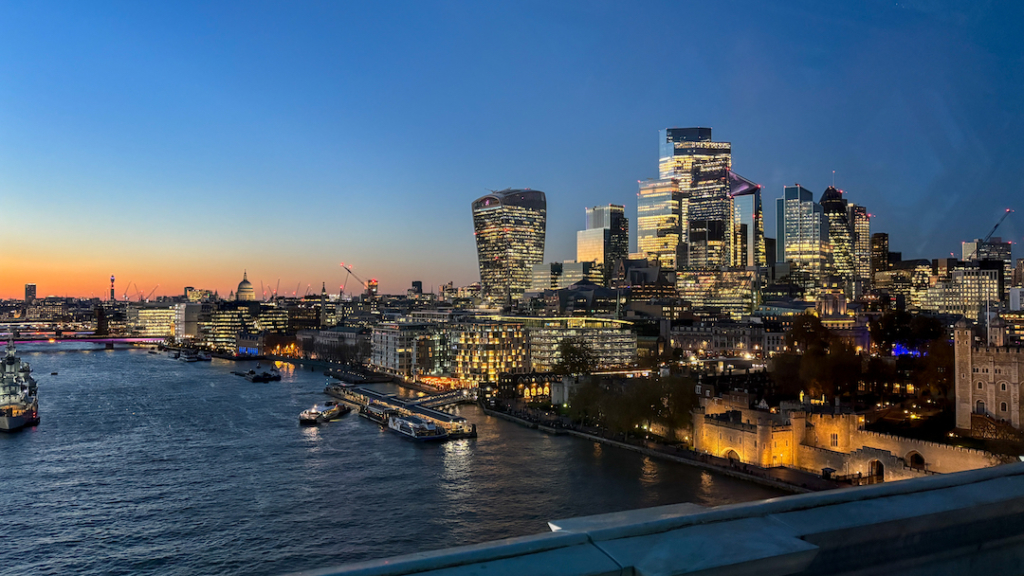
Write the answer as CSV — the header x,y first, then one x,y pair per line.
x,y
310,417
317,415
53,373
416,429
188,356
204,357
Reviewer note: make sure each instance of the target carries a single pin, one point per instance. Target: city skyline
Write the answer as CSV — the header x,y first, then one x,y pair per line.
x,y
182,147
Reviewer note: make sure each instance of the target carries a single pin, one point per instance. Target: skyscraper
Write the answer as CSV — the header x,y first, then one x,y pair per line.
x,y
748,223
30,293
661,222
860,225
701,168
509,226
840,235
801,236
605,239
879,253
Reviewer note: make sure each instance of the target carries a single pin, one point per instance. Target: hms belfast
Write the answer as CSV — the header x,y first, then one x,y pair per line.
x,y
18,405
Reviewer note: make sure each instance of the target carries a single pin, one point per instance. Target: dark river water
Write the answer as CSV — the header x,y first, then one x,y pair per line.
x,y
145,465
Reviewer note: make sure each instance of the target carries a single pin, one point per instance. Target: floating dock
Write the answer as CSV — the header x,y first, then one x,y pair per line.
x,y
423,407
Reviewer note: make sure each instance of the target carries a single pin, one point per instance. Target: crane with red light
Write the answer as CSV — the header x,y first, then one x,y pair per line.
x,y
989,236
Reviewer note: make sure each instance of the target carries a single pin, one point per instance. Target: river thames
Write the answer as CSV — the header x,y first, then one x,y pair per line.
x,y
146,465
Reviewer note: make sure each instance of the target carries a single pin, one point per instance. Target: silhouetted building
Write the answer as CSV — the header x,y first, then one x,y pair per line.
x,y
30,293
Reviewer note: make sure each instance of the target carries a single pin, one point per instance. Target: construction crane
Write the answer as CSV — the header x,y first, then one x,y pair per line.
x,y
263,291
150,295
278,289
989,236
126,287
354,275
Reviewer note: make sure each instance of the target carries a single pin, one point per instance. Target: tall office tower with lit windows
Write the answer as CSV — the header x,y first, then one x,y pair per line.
x,y
30,293
661,222
840,235
606,238
748,247
509,227
860,227
879,253
801,236
701,167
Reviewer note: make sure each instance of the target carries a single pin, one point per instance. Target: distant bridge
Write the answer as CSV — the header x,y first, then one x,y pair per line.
x,y
43,339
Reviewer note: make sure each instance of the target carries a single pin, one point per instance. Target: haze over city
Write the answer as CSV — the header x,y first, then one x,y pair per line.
x,y
181,144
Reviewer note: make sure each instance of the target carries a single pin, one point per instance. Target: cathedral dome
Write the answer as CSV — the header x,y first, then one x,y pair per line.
x,y
245,290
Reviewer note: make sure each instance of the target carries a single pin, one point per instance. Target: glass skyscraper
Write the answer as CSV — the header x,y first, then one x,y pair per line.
x,y
605,239
701,168
509,227
840,235
748,224
660,222
860,224
801,236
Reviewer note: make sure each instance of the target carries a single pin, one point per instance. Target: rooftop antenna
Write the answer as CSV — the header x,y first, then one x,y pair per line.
x,y
833,178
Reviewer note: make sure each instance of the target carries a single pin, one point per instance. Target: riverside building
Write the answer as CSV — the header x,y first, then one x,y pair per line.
x,y
509,227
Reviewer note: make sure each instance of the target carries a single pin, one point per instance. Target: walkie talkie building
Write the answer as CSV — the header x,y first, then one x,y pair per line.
x,y
509,226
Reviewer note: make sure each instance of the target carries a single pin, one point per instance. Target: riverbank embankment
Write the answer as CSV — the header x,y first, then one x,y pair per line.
x,y
690,458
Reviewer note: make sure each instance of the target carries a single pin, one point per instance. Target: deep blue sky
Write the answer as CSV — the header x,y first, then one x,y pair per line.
x,y
179,143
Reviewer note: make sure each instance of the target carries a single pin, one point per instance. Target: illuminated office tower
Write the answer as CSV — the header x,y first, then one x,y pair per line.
x,y
605,240
993,250
748,224
661,223
802,236
509,226
701,167
860,225
879,253
840,234
30,293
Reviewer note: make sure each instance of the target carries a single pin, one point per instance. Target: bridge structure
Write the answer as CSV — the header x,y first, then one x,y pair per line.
x,y
963,523
43,339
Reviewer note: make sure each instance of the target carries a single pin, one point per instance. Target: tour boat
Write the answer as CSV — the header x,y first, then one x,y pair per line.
x,y
18,404
415,428
376,413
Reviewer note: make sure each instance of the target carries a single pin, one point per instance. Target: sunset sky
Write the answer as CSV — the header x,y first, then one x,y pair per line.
x,y
176,143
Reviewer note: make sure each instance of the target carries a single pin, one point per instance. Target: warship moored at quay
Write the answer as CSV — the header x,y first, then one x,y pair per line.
x,y
18,404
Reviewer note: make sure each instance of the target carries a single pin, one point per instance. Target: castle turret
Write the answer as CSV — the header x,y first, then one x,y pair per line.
x,y
963,340
997,332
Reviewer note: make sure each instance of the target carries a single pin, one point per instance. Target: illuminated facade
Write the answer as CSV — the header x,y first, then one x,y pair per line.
x,y
994,249
748,222
967,292
910,278
661,223
402,349
558,275
509,228
860,225
701,168
879,253
152,321
605,239
733,290
486,349
840,235
801,237
612,342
